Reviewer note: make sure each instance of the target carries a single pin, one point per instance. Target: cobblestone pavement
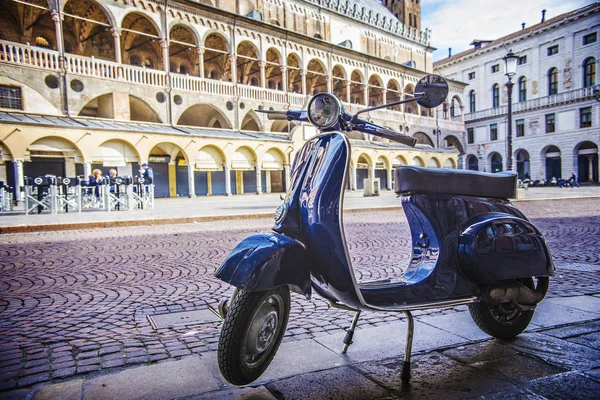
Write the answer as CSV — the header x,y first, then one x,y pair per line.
x,y
75,302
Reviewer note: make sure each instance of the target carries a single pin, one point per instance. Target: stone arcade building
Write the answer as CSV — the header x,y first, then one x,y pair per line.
x,y
114,83
556,93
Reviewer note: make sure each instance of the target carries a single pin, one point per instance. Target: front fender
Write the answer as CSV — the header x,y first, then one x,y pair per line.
x,y
497,247
265,261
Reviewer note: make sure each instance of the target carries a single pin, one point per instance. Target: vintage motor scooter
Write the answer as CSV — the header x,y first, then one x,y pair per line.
x,y
470,245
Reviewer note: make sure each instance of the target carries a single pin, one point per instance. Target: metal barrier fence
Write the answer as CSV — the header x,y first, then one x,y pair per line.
x,y
58,194
6,197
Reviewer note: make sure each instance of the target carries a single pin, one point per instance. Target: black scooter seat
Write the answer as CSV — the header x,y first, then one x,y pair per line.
x,y
455,182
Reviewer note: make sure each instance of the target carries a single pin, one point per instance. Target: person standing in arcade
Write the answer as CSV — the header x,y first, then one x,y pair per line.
x,y
147,173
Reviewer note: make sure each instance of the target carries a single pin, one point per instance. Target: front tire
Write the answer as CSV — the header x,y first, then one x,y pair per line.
x,y
251,333
505,320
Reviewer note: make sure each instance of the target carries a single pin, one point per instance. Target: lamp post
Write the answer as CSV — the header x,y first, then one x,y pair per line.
x,y
510,69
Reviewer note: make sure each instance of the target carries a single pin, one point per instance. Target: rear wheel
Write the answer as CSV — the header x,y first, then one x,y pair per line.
x,y
252,331
504,320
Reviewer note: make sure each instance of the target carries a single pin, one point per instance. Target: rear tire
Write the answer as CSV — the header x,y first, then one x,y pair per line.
x,y
504,320
251,333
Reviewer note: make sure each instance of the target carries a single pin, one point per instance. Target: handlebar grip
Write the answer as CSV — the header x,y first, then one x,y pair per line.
x,y
273,115
396,136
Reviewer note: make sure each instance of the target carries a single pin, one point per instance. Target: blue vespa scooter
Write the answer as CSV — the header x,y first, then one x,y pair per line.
x,y
470,245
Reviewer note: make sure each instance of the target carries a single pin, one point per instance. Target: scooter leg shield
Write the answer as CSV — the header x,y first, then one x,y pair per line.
x,y
265,261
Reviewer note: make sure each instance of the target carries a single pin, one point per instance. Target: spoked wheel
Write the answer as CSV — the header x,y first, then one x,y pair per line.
x,y
505,320
251,333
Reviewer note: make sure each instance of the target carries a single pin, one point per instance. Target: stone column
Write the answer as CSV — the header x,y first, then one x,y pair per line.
x,y
284,79
57,28
227,180
191,180
303,74
384,96
372,178
87,169
353,177
116,32
263,78
258,180
348,90
366,94
164,44
286,173
200,51
233,64
329,83
390,173
19,178
268,182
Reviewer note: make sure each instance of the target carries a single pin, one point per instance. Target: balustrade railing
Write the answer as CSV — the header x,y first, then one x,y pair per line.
x,y
22,54
143,76
90,66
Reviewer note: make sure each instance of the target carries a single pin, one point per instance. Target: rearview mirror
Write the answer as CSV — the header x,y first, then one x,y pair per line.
x,y
434,88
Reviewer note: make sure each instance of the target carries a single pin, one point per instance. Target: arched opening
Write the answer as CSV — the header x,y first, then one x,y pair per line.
x,y
398,161
394,94
375,91
6,167
31,22
116,154
587,161
120,106
169,166
589,72
204,115
273,167
495,162
472,163
248,67
246,8
453,141
338,77
243,165
412,107
552,81
450,163
217,64
523,166
552,158
87,29
294,75
417,162
433,163
381,169
456,107
141,111
423,139
209,172
362,170
54,156
140,38
251,122
183,55
316,81
357,88
273,72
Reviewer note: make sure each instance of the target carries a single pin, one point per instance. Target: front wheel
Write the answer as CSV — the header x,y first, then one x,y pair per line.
x,y
505,320
251,333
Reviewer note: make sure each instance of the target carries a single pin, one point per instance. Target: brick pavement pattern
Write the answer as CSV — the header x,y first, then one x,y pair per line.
x,y
75,302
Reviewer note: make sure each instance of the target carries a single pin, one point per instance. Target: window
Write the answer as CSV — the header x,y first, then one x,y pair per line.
x,y
470,136
589,38
522,89
148,63
585,117
552,50
520,127
495,68
522,60
495,96
135,60
42,41
494,132
589,72
472,101
471,76
552,81
550,123
11,97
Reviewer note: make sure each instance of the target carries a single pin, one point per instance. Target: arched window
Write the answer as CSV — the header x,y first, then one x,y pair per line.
x,y
254,81
522,89
135,60
148,63
213,74
472,101
552,81
183,69
42,41
495,96
589,72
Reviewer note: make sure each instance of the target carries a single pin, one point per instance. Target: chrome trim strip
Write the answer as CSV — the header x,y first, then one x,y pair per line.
x,y
414,307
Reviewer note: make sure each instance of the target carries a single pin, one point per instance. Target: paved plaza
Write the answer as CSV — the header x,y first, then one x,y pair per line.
x,y
74,308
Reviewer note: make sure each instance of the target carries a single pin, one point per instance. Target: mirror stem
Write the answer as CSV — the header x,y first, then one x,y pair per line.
x,y
395,103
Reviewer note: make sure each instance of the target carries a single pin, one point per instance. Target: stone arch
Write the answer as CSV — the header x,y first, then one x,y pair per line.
x,y
433,162
375,90
412,107
183,42
273,159
523,167
116,153
273,72
248,63
495,161
472,162
294,66
456,143
204,115
423,139
52,155
210,158
417,161
316,80
357,87
585,158
103,107
243,158
382,162
140,110
450,163
87,27
394,93
551,157
141,38
456,106
399,160
217,64
251,122
338,80
172,150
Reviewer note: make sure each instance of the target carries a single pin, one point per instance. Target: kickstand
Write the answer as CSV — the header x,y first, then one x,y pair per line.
x,y
350,333
405,375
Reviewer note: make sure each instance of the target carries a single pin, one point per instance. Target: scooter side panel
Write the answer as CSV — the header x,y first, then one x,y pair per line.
x,y
265,261
501,247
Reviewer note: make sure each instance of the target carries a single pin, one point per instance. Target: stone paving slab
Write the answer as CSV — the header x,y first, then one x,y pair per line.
x,y
585,303
551,312
460,324
566,386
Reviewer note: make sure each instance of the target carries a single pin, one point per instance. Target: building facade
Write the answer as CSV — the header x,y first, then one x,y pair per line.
x,y
555,98
105,84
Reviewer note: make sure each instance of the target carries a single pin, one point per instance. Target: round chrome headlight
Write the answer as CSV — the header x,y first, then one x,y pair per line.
x,y
280,213
324,110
